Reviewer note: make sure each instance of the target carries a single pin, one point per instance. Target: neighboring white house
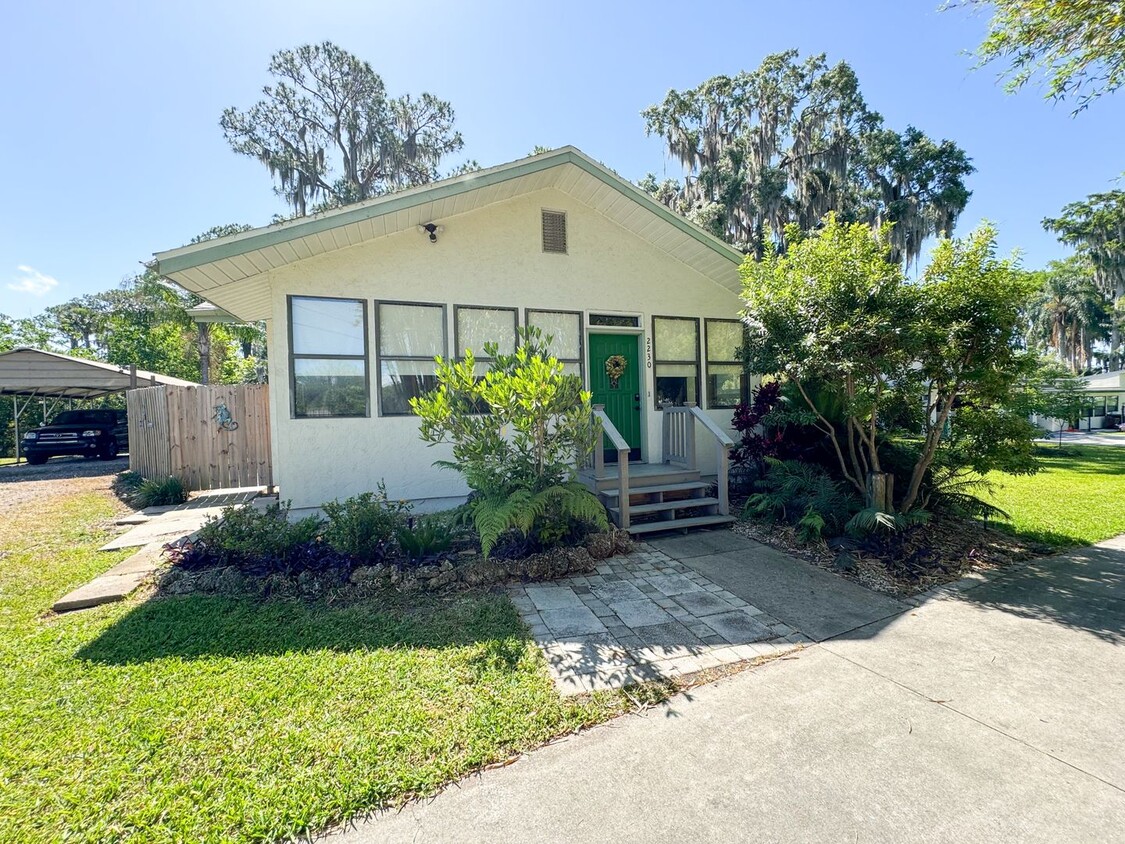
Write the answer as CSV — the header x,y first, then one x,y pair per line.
x,y
1107,394
359,300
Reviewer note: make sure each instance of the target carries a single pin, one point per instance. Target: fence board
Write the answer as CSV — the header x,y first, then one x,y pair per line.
x,y
177,431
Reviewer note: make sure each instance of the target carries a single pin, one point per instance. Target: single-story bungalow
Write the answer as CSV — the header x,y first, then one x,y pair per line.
x,y
358,301
1106,391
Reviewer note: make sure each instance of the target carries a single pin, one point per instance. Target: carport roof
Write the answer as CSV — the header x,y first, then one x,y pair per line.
x,y
33,372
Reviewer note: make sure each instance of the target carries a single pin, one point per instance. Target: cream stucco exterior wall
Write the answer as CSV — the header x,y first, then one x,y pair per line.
x,y
492,256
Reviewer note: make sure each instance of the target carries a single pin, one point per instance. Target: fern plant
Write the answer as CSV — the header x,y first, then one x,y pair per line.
x,y
869,520
542,514
804,495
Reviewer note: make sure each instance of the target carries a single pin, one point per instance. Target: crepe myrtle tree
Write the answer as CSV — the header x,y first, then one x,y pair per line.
x,y
835,315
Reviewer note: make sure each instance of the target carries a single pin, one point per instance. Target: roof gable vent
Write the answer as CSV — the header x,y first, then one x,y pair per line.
x,y
554,231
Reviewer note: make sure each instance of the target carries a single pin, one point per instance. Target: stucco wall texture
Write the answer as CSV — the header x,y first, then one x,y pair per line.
x,y
491,256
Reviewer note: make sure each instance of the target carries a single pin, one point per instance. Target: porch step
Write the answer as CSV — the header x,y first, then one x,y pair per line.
x,y
685,486
679,524
640,474
660,506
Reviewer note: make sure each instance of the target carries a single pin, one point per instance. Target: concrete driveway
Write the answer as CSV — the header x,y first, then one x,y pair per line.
x,y
993,714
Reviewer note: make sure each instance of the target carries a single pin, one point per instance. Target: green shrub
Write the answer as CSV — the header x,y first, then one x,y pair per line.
x,y
364,526
252,538
126,484
159,493
804,495
517,435
425,537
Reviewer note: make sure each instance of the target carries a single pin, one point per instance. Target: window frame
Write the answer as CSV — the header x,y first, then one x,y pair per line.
x,y
294,356
459,353
380,357
744,384
657,360
581,361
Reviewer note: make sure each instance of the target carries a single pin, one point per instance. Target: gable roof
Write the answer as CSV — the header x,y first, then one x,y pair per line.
x,y
231,271
34,372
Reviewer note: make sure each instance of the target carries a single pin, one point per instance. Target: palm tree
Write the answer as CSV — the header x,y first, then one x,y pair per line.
x,y
1068,314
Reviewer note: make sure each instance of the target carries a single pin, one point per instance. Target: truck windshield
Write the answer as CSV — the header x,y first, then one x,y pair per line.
x,y
84,417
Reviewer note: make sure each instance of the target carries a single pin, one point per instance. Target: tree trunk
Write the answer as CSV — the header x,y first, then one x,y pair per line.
x,y
881,491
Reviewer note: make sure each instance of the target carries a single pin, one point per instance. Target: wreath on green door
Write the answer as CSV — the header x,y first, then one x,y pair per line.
x,y
615,368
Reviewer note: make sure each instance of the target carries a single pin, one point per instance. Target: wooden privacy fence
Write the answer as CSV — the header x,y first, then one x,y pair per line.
x,y
210,437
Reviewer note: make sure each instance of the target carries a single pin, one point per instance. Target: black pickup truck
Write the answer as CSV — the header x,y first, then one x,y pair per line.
x,y
91,433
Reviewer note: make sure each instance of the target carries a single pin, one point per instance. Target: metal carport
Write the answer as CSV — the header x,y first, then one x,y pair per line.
x,y
32,374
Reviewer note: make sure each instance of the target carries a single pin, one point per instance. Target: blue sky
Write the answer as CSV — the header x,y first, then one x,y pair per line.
x,y
112,148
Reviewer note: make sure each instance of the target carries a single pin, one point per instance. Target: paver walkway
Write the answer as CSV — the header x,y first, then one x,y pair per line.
x,y
992,713
640,617
165,524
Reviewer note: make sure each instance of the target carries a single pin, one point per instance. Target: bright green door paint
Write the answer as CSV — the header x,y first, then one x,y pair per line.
x,y
622,399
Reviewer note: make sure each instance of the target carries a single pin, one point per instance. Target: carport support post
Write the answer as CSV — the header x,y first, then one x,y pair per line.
x,y
16,417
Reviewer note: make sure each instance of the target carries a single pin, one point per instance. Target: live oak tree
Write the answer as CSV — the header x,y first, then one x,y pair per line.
x,y
793,140
329,134
836,315
1077,47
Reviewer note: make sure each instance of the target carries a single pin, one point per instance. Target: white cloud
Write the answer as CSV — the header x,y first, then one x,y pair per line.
x,y
32,282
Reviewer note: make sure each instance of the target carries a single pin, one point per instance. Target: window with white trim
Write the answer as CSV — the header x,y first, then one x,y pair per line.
x,y
726,376
675,342
327,357
409,336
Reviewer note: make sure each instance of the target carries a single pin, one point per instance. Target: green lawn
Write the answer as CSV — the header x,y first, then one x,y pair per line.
x,y
1077,499
219,719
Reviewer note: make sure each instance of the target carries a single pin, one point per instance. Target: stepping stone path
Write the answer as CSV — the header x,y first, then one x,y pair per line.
x,y
643,616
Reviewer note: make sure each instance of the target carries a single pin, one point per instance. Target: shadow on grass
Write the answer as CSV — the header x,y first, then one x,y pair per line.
x,y
209,626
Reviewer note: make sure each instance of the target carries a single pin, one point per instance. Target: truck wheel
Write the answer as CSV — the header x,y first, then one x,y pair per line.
x,y
109,450
36,459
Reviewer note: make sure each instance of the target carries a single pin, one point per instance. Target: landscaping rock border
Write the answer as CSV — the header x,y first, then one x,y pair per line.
x,y
466,570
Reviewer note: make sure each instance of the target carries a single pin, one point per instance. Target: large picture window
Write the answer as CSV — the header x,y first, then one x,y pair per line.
x,y
565,330
675,343
410,335
328,357
726,378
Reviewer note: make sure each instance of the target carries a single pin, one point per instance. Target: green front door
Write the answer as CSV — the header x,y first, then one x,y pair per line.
x,y
618,386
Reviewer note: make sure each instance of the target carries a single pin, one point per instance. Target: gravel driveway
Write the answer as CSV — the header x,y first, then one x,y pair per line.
x,y
61,475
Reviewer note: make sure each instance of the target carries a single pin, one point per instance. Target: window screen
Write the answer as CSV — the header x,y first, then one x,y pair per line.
x,y
564,328
726,379
410,336
475,326
328,357
676,360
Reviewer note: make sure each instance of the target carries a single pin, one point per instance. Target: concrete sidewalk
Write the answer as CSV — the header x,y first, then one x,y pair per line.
x,y
996,713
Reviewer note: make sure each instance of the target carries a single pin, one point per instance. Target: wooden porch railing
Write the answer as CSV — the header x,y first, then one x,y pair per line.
x,y
679,445
607,429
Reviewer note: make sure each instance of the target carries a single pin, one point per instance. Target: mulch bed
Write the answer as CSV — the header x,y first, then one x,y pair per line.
x,y
941,551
